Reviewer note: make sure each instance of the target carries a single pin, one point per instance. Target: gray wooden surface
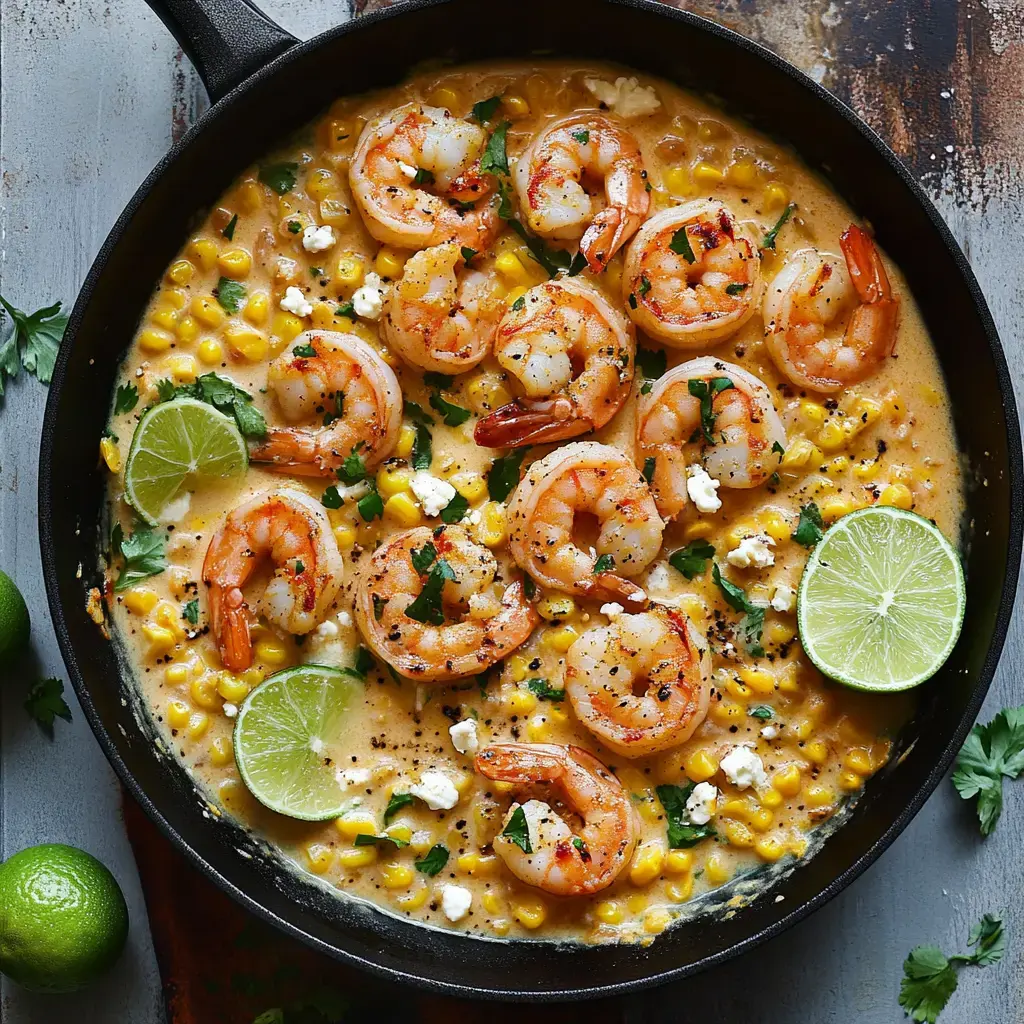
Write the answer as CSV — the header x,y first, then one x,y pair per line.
x,y
91,94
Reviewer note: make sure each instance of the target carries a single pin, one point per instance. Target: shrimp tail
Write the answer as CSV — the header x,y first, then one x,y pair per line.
x,y
519,763
607,231
291,450
229,619
606,586
524,422
873,323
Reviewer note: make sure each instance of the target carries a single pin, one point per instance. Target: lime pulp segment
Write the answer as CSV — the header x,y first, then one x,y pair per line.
x,y
881,600
176,441
286,740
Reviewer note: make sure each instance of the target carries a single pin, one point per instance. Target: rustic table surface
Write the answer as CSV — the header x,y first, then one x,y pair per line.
x,y
94,91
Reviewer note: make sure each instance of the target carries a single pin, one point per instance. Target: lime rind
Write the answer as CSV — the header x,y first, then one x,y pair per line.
x,y
285,737
875,560
174,442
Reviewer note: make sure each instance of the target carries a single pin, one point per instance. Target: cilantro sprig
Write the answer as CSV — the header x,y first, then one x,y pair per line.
x,y
682,833
992,752
46,702
543,690
811,527
692,560
752,624
518,830
33,343
771,236
433,861
706,390
224,395
503,476
143,553
427,606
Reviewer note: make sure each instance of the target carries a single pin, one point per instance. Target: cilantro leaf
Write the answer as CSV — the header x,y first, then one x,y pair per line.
x,y
280,177
706,390
440,381
582,137
454,415
991,752
503,476
35,341
762,711
143,554
751,625
190,613
230,294
518,830
551,259
434,860
650,463
485,110
46,702
577,265
371,505
811,527
467,256
395,804
352,468
417,413
422,448
604,563
229,231
692,560
680,245
331,498
427,605
365,839
928,982
126,399
681,833
423,177
455,511
736,288
495,158
771,236
988,936
423,558
224,395
651,362
543,690
304,351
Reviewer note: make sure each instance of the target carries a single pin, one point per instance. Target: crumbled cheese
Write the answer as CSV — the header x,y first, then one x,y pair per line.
x,y
230,710
327,629
317,239
354,491
784,598
352,777
658,580
293,301
431,492
436,790
752,552
743,768
627,97
368,299
769,732
455,901
176,509
702,489
612,609
464,737
700,804
344,620
407,169
637,597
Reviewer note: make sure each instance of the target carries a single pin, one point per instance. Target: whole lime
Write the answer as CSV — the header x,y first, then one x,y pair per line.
x,y
13,620
63,919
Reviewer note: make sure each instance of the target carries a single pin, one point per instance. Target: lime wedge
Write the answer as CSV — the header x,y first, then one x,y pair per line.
x,y
174,442
289,740
881,600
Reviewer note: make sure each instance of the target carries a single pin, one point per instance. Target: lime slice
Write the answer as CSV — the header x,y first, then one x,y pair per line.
x,y
290,740
881,600
176,441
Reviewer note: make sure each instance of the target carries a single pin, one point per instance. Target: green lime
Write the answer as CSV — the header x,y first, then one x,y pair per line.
x,y
174,442
13,620
63,919
881,600
290,740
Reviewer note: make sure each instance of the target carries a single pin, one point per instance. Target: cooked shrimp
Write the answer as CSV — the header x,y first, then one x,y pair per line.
x,y
416,179
810,293
659,650
572,353
692,275
551,175
445,621
585,480
440,316
293,531
569,783
734,431
341,381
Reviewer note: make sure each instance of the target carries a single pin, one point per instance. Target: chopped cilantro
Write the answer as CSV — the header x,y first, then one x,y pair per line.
x,y
495,158
770,237
224,395
229,231
692,560
680,245
762,711
230,294
126,399
454,415
347,309
331,498
503,476
294,226
645,285
143,554
706,390
577,265
422,448
649,466
371,505
468,253
810,528
519,304
395,804
190,613
604,563
485,110
423,177
455,511
434,860
681,833
517,830
352,468
433,379
423,558
365,839
304,351
279,177
735,288
543,690
752,623
582,137
427,606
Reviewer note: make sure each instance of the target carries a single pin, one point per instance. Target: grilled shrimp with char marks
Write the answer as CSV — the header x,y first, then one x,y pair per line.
x,y
571,785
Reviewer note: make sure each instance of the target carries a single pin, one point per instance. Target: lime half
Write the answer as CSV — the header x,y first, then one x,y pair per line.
x,y
881,600
176,441
290,740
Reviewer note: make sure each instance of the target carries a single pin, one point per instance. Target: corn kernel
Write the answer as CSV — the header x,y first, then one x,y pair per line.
x,y
647,863
850,782
835,507
803,728
181,271
787,780
272,651
406,439
552,607
775,195
403,509
700,530
177,714
706,175
680,890
486,392
716,870
509,266
203,251
471,486
334,212
284,329
257,308
516,105
357,857
233,689
396,876
339,134
175,675
154,340
415,899
444,96
701,765
203,692
537,729
221,752
182,367
816,752
799,453
561,640
160,638
769,848
110,454
778,633
250,196
211,352
477,865
318,857
636,904
743,173
678,862
493,526
235,263
771,798
817,795
422,841
165,318
321,183
898,495
516,294
656,920
858,760
356,824
775,524
831,436
609,912
349,270
207,311
520,702
737,833
198,723
530,911
247,342
389,263
345,536
392,480
676,180
727,712
760,681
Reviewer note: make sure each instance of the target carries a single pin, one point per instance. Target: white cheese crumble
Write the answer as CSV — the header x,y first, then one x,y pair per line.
x,y
743,768
352,777
407,169
784,598
464,737
658,579
368,299
700,804
436,790
431,492
627,97
455,901
327,629
293,301
769,732
702,489
613,609
317,239
752,552
176,509
230,710
344,620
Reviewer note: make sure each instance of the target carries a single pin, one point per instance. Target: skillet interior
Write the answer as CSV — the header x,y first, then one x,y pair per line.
x,y
379,50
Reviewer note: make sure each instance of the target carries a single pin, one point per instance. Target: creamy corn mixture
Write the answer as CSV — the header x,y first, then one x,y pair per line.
x,y
780,749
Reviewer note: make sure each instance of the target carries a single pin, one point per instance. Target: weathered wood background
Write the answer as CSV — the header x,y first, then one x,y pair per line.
x,y
91,94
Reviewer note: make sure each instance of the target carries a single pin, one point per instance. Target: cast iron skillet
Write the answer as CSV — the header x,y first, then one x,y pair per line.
x,y
266,85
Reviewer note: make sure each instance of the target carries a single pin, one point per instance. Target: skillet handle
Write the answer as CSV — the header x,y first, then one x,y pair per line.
x,y
226,40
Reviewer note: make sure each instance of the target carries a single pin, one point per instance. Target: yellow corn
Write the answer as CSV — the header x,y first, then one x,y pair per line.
x,y
203,251
471,486
235,263
516,294
840,464
769,848
518,667
831,436
406,439
701,765
775,524
743,173
396,876
284,329
700,530
272,651
493,527
220,751
392,480
486,392
181,271
165,318
510,267
726,712
520,702
678,862
850,782
537,729
492,902
716,870
318,857
334,212
444,96
647,863
516,105
207,311
477,865
345,536
760,681
835,507
787,780
680,890
257,308
357,857
356,824
403,509
349,270
198,723
775,195
656,920
817,795
609,912
110,454
706,175
247,342
799,454
898,495
530,911
676,180
737,833
554,607
177,714
203,692
250,195
340,134
175,675
154,340
771,798
186,329
232,688
816,752
211,352
182,367
561,639
389,263
778,633
321,183
858,760
413,900
160,638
